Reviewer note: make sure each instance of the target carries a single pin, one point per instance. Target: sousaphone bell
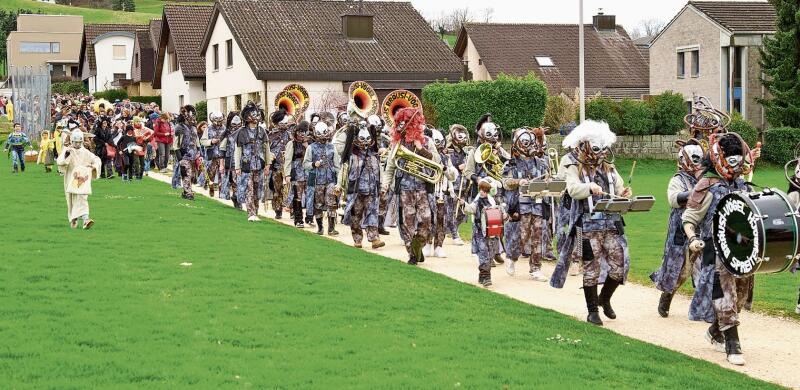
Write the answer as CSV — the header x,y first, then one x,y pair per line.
x,y
396,101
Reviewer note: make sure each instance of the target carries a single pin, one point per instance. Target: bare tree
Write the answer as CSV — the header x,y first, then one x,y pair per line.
x,y
487,14
647,28
331,101
457,17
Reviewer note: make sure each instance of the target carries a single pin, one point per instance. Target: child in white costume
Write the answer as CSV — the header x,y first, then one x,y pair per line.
x,y
80,167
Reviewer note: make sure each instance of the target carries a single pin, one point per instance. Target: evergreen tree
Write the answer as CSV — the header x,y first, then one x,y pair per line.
x,y
128,6
780,57
116,5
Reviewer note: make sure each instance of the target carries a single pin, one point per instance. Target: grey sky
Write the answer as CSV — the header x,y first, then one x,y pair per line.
x,y
628,12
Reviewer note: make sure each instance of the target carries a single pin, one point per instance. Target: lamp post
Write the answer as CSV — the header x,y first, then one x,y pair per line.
x,y
581,67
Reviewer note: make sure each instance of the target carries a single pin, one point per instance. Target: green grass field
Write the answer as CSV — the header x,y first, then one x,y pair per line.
x,y
265,305
90,15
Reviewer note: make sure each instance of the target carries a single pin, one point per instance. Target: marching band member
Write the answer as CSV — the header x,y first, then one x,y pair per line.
x,y
675,265
487,248
488,133
322,161
526,231
211,141
293,173
278,138
443,193
251,157
726,164
363,184
793,194
415,197
378,126
596,236
458,152
188,143
229,186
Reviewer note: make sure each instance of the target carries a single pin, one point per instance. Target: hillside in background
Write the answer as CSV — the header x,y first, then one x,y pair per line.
x,y
145,11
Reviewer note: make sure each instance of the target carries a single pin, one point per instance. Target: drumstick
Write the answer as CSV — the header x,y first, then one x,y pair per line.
x,y
630,178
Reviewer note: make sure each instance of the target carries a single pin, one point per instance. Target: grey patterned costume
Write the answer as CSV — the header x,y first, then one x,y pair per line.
x,y
671,275
324,177
251,157
361,209
526,232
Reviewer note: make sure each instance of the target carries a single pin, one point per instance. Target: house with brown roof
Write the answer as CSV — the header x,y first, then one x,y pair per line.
x,y
614,65
711,48
47,41
144,61
180,70
253,49
106,54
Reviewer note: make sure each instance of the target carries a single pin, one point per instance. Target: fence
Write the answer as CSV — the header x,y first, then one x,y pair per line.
x,y
31,96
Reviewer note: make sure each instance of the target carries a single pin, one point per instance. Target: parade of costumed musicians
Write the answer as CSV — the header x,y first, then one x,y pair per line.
x,y
299,230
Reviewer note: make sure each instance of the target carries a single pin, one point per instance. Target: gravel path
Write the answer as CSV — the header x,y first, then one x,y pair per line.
x,y
771,345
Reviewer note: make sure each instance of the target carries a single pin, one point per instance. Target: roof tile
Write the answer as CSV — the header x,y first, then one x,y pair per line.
x,y
740,16
187,25
92,31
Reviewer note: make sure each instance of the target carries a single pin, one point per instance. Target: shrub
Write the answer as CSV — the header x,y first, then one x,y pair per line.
x,y
744,128
202,110
68,87
559,112
112,94
779,144
605,110
636,117
513,102
146,99
669,109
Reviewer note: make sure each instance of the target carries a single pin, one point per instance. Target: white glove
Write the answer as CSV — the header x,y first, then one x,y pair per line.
x,y
696,245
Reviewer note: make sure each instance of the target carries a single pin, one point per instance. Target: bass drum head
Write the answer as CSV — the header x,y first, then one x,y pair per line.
x,y
780,232
738,236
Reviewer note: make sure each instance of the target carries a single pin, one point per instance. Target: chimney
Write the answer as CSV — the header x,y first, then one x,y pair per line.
x,y
357,26
603,22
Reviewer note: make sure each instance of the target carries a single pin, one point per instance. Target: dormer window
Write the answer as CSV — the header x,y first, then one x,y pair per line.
x,y
544,61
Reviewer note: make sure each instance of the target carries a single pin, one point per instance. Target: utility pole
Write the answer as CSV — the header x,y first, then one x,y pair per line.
x,y
581,65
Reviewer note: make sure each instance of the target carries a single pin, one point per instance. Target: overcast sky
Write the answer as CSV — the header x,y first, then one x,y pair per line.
x,y
628,12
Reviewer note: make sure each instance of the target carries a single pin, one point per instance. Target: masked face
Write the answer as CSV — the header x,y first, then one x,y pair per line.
x,y
76,139
375,121
216,118
363,138
321,131
490,132
691,157
438,139
254,117
236,122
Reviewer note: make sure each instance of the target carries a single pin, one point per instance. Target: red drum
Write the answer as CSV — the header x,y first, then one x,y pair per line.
x,y
492,222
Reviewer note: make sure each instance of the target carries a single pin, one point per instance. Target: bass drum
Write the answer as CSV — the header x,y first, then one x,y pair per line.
x,y
492,222
755,232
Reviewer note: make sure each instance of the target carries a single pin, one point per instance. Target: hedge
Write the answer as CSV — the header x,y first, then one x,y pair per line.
x,y
202,110
112,94
659,114
744,128
636,117
669,109
559,112
68,87
605,110
779,144
146,99
513,102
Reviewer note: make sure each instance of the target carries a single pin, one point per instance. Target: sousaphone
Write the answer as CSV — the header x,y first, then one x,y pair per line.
x,y
301,93
363,100
396,101
286,100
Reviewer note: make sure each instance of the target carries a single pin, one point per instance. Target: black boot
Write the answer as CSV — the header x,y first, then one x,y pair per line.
x,y
310,221
485,278
279,213
382,230
320,228
412,260
332,226
732,347
590,294
297,213
715,337
663,304
605,297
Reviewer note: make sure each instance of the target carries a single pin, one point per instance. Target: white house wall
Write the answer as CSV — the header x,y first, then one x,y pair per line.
x,y
173,85
107,65
228,81
474,64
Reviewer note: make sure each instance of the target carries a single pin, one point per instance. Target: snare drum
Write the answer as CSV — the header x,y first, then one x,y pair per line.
x,y
492,222
755,232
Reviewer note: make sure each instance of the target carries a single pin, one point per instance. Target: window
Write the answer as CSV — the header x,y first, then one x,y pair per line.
x,y
229,52
204,87
119,76
681,65
544,61
119,52
173,62
695,63
237,102
136,59
216,57
480,61
55,47
35,47
223,105
689,107
180,100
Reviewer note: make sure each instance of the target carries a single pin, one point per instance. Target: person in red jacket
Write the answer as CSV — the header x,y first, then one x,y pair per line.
x,y
163,136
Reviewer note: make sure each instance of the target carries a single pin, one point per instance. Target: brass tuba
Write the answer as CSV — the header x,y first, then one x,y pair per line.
x,y
396,101
415,165
301,93
286,100
484,155
363,101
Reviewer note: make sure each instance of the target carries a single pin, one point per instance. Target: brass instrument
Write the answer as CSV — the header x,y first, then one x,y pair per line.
x,y
396,101
287,101
363,101
301,93
484,155
554,163
344,173
415,165
104,102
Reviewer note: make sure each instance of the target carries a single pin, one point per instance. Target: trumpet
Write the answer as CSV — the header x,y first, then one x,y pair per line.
x,y
415,165
553,154
484,155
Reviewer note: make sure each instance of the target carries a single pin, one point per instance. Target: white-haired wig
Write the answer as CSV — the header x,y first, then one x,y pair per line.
x,y
594,132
